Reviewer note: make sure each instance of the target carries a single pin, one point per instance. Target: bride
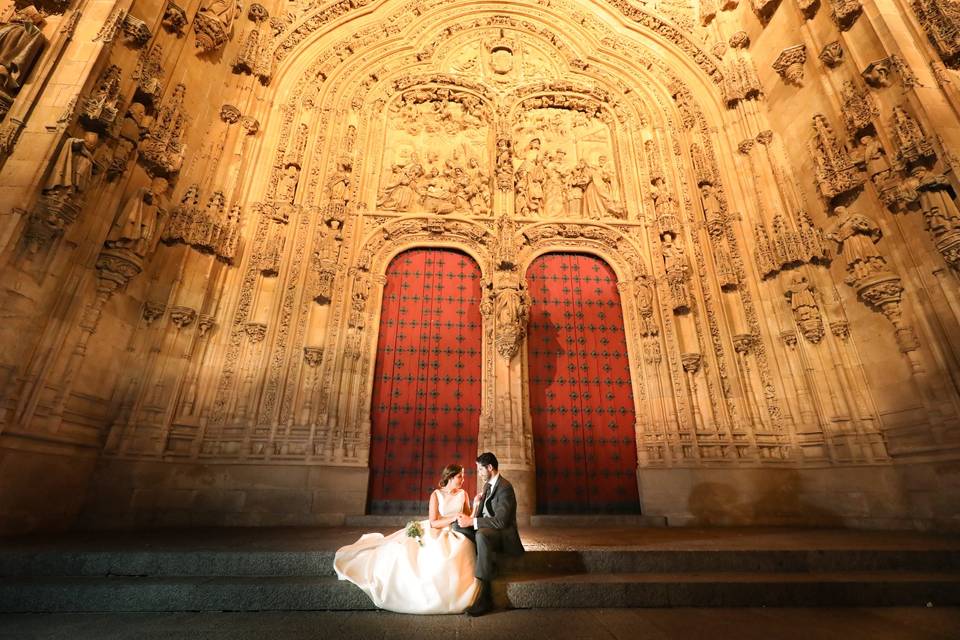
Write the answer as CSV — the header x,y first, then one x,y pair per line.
x,y
432,574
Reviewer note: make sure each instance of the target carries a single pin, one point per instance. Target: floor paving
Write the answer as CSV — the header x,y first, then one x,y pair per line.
x,y
539,538
889,623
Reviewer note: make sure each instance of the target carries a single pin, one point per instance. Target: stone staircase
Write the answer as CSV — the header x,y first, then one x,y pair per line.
x,y
127,579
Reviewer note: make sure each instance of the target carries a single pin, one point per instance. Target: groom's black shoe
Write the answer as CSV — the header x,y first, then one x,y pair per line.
x,y
484,603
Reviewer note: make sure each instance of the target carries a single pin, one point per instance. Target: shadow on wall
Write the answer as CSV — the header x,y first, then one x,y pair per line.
x,y
778,502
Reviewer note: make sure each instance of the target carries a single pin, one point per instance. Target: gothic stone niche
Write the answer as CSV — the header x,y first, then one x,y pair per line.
x,y
564,160
435,153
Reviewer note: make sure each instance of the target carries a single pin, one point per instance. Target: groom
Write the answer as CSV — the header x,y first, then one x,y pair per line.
x,y
494,527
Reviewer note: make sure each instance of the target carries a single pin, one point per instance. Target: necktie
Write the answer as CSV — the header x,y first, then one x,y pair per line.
x,y
483,502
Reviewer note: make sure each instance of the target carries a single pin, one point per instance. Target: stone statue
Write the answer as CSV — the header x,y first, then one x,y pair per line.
x,y
287,188
554,192
338,184
530,177
939,208
874,158
140,219
710,202
20,45
74,167
677,270
799,294
512,310
213,23
856,236
598,197
399,193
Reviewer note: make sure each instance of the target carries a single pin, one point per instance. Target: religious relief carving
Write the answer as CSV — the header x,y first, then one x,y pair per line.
x,y
845,12
21,43
505,244
789,64
875,160
324,266
563,168
716,221
868,272
837,173
136,228
174,19
912,144
832,54
648,325
439,162
337,189
162,149
512,311
134,126
859,108
68,182
806,313
213,23
941,20
677,269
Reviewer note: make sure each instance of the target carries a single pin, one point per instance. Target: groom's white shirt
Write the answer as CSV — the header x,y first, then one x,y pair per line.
x,y
493,483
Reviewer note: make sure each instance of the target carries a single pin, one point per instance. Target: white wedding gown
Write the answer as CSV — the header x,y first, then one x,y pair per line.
x,y
401,575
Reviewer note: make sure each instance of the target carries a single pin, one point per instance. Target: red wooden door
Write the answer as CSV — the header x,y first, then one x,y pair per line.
x,y
581,396
425,410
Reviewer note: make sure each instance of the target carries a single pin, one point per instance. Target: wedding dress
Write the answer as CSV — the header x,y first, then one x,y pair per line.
x,y
399,574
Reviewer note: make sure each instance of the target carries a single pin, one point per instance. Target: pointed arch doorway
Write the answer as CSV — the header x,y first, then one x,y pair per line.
x,y
426,397
580,389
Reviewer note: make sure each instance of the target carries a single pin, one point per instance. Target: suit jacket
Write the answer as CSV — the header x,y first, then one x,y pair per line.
x,y
502,504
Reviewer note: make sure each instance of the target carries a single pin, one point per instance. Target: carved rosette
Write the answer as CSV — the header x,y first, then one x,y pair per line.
x,y
789,64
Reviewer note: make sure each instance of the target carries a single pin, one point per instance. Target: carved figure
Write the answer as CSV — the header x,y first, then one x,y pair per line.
x,y
939,208
856,236
140,219
530,177
20,45
287,188
598,198
74,167
213,23
512,310
577,182
677,268
339,183
874,158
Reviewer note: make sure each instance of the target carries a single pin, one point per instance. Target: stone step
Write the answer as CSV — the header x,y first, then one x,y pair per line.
x,y
301,593
186,563
579,522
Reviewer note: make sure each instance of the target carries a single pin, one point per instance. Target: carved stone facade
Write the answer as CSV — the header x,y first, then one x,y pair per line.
x,y
196,234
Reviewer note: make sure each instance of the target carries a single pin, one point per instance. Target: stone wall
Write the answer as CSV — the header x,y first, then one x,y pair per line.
x,y
191,296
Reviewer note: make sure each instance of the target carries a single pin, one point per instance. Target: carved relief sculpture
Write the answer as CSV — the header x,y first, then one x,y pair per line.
x,y
137,226
912,144
20,45
512,310
940,213
162,149
859,108
789,64
213,23
837,174
677,270
868,272
941,20
806,313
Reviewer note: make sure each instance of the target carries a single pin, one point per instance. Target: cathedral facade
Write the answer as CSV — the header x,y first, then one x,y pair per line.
x,y
279,263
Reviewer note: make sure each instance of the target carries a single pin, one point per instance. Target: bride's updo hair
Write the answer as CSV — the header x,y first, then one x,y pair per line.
x,y
449,471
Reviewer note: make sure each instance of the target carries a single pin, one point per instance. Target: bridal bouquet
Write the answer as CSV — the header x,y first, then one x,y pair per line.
x,y
415,531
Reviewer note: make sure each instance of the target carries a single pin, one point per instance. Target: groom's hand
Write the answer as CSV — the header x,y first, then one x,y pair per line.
x,y
465,521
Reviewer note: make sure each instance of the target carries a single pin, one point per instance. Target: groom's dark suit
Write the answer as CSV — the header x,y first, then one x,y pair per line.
x,y
496,527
